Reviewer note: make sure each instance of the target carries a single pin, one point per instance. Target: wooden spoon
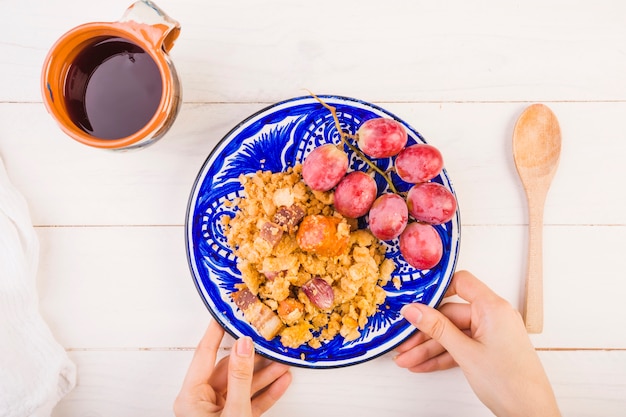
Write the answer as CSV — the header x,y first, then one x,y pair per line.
x,y
536,150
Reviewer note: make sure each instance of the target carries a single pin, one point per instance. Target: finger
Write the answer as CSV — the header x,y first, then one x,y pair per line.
x,y
266,376
439,327
413,341
219,377
451,290
203,361
458,313
240,372
438,363
468,287
261,362
265,372
267,398
419,354
458,276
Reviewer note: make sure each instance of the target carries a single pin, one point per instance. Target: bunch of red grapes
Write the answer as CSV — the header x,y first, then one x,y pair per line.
x,y
356,194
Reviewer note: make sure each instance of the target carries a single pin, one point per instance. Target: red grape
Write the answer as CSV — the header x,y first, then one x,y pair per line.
x,y
421,245
431,202
355,194
324,167
418,163
388,216
381,137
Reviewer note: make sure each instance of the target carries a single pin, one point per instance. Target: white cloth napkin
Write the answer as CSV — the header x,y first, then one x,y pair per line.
x,y
35,371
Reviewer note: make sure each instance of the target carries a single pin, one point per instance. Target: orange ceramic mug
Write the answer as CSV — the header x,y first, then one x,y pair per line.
x,y
112,85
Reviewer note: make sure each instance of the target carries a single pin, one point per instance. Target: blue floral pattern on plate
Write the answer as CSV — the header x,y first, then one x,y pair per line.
x,y
275,138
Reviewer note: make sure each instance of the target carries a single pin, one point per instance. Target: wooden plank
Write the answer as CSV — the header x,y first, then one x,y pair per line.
x,y
67,183
109,287
118,287
131,383
497,50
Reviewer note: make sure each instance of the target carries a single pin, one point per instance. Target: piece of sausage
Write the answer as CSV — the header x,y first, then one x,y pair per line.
x,y
271,232
289,217
259,315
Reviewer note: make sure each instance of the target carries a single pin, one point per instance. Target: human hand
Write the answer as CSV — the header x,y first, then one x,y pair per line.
x,y
488,340
240,385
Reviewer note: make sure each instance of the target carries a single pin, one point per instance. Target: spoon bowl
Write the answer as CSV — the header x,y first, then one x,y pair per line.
x,y
536,151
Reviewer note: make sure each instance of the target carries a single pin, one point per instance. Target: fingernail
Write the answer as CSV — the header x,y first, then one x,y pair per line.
x,y
243,347
412,313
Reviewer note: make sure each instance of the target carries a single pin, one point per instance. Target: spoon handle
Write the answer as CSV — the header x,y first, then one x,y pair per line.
x,y
533,303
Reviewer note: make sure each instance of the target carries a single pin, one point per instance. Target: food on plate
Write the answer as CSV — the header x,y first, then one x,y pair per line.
x,y
319,292
257,313
308,274
431,203
427,202
324,167
381,137
323,235
421,245
355,194
418,163
388,216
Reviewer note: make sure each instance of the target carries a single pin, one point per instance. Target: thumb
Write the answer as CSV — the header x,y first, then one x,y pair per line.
x,y
240,372
439,327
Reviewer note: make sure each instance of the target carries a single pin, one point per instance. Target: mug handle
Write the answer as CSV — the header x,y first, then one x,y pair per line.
x,y
161,29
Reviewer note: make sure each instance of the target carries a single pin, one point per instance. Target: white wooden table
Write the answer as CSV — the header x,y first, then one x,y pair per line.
x,y
114,284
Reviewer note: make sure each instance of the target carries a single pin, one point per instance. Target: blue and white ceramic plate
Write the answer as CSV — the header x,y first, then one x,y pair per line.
x,y
274,139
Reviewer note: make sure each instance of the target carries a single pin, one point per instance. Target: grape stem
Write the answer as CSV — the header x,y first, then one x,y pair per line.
x,y
346,135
